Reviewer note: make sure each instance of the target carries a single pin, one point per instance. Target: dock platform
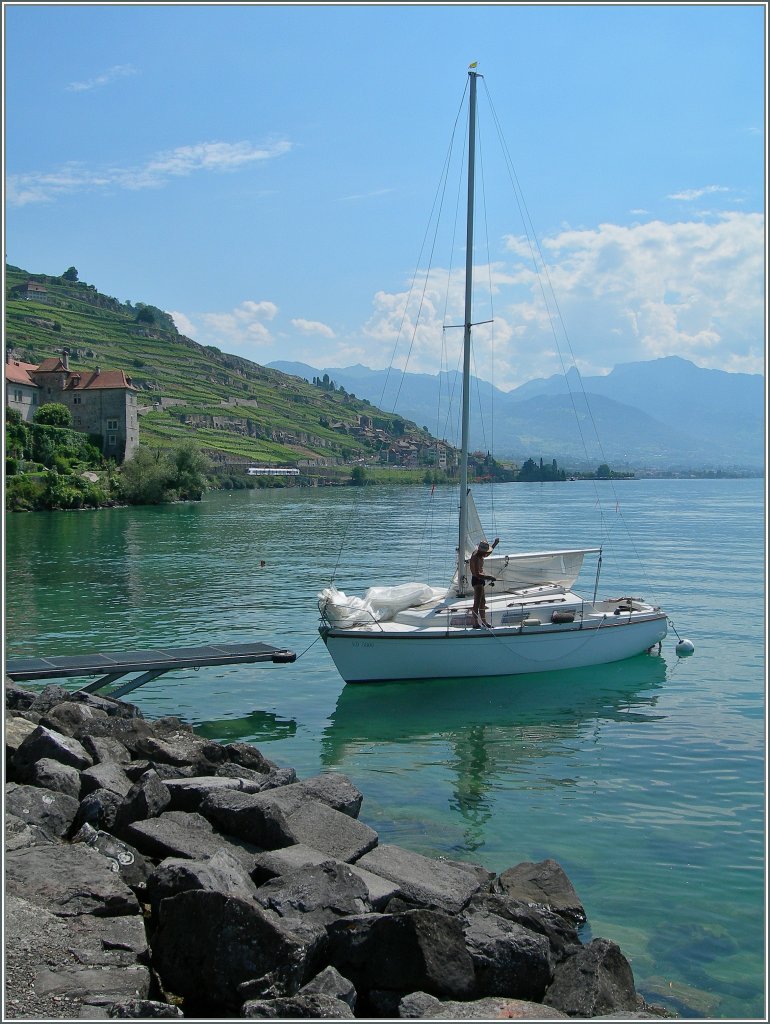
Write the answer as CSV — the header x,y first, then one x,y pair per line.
x,y
111,666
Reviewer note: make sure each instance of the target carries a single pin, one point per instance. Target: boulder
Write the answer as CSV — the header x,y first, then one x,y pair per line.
x,y
67,881
219,873
51,811
333,789
423,880
418,949
247,756
248,943
545,883
304,1005
188,794
509,960
141,1009
281,818
147,798
50,774
99,809
177,834
17,729
272,863
562,936
418,1006
105,775
173,742
322,893
329,982
596,980
494,1008
20,834
105,748
49,743
71,718
17,698
97,986
132,867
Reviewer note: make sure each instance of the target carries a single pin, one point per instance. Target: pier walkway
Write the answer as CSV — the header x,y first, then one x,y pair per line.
x,y
112,666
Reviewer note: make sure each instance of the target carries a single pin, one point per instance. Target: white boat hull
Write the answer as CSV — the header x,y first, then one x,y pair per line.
x,y
396,654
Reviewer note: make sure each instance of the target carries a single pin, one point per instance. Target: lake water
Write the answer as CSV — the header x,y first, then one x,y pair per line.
x,y
644,779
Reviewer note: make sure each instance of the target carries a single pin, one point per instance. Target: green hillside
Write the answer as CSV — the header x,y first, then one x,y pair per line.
x,y
237,411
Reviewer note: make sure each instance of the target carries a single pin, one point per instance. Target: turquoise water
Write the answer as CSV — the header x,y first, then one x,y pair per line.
x,y
644,779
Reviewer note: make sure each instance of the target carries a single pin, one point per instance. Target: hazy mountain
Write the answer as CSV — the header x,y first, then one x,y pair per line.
x,y
661,413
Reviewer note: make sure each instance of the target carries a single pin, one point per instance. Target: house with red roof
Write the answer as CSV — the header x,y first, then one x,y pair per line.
x,y
102,402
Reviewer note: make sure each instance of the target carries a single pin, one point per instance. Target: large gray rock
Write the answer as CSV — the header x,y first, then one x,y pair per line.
x,y
147,798
17,729
49,743
20,834
302,1006
248,757
562,936
50,774
107,941
173,742
423,880
68,880
220,873
281,818
141,1009
333,789
99,809
509,960
494,1008
322,893
207,942
189,794
418,949
71,718
105,775
132,867
105,748
272,863
544,882
51,811
330,982
596,980
99,986
178,834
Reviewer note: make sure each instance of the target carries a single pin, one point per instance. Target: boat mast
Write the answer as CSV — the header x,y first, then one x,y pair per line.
x,y
462,580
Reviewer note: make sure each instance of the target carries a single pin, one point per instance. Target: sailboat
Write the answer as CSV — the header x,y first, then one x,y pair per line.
x,y
534,621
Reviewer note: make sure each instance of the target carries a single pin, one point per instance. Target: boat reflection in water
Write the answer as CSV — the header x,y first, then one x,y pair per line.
x,y
491,734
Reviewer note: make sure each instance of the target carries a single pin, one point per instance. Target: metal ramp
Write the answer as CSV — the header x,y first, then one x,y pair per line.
x,y
112,666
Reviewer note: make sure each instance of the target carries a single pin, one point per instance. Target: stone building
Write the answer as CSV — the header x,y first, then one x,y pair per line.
x,y
102,402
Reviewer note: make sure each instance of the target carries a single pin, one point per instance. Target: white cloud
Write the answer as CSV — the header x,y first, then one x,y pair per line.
x,y
687,195
241,328
312,327
625,293
108,76
46,186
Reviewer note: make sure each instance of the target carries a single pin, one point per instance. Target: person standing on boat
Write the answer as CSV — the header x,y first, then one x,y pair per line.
x,y
479,580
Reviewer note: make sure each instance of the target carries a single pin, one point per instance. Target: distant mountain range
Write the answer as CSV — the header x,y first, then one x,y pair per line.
x,y
661,414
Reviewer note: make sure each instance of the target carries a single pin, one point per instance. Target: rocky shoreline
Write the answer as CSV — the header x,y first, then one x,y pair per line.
x,y
154,873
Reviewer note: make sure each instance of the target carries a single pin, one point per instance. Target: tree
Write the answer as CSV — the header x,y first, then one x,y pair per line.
x,y
70,274
145,316
603,472
144,477
187,471
53,414
358,476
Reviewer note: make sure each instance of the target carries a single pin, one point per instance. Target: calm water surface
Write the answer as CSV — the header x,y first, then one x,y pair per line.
x,y
644,779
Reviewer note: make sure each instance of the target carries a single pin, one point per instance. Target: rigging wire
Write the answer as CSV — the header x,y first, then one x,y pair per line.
x,y
554,316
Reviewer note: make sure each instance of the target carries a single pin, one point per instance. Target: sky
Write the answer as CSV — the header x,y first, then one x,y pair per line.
x,y
267,174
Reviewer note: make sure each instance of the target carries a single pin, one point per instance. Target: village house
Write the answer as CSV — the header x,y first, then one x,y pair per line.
x,y
102,402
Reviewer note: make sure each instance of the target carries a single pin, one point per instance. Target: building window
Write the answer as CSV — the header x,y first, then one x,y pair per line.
x,y
112,424
34,398
78,421
112,440
18,395
77,399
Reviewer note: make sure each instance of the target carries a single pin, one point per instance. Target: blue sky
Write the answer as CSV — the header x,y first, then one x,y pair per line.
x,y
266,173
